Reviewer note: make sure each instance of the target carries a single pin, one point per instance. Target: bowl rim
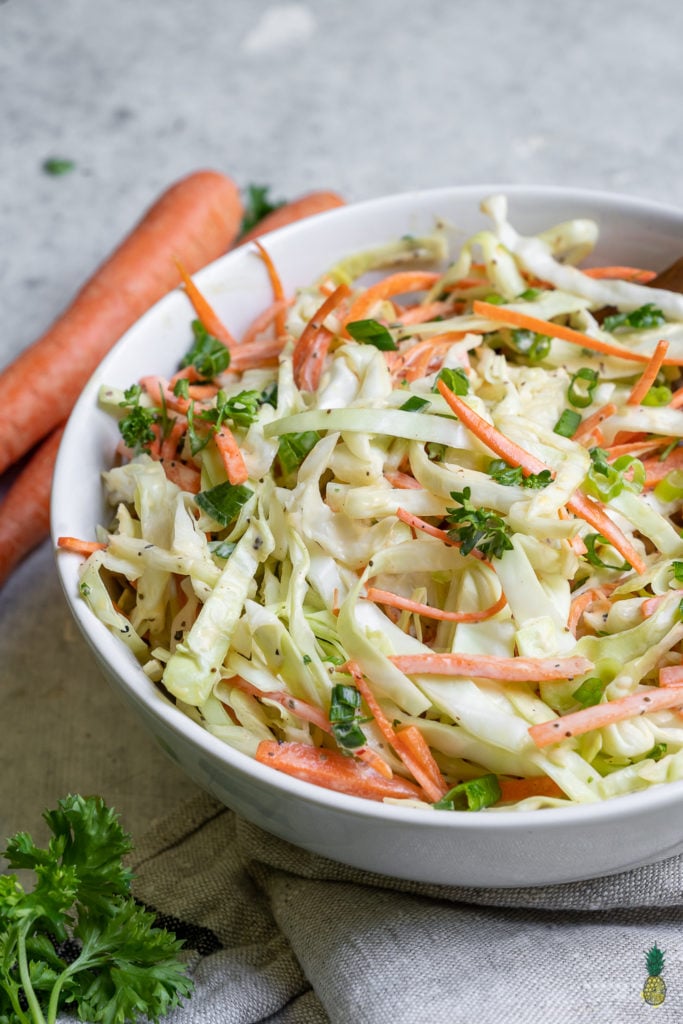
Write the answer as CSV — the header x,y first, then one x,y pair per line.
x,y
141,690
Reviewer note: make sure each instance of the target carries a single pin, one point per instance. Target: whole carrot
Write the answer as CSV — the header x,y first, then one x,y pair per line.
x,y
25,508
195,221
297,209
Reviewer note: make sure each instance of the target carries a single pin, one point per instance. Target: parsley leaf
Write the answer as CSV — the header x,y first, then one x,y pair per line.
x,y
639,319
135,426
242,409
513,476
455,380
124,968
477,528
224,501
372,332
208,355
293,449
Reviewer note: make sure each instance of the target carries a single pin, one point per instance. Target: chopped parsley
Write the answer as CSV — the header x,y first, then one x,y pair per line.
x,y
513,476
293,449
639,319
136,425
454,379
372,332
208,355
224,501
477,528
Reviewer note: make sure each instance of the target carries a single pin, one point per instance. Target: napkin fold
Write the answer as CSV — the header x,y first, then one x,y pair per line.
x,y
275,934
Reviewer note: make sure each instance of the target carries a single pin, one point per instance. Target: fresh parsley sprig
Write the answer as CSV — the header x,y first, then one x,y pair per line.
x,y
477,528
124,968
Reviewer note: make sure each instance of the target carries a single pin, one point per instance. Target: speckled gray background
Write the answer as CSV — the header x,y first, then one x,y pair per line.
x,y
362,97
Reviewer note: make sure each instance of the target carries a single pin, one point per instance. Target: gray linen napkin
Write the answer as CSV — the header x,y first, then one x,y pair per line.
x,y
279,935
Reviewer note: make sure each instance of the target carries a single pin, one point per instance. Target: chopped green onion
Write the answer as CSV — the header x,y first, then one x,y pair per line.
x,y
494,299
455,380
415,404
591,540
582,398
657,396
371,332
344,706
589,692
657,752
606,480
671,487
567,424
638,319
473,795
677,571
534,346
224,501
269,395
530,295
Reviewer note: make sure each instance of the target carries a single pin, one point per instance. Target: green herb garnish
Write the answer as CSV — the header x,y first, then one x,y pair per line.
x,y
344,716
136,425
293,449
589,692
473,795
454,379
415,404
639,319
477,528
58,166
591,540
567,423
513,476
581,397
241,409
372,332
208,355
120,966
257,205
532,345
224,501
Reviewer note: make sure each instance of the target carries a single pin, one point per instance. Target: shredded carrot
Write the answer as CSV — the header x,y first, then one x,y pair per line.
x,y
417,608
416,361
657,469
434,531
257,354
514,790
412,742
402,481
423,312
205,312
309,352
231,455
394,284
635,274
264,321
591,511
587,427
651,604
169,444
78,546
649,374
580,604
334,770
277,286
614,451
414,764
597,717
671,675
676,399
512,317
491,666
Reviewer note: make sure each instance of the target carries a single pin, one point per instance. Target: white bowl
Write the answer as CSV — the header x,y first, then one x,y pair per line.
x,y
455,848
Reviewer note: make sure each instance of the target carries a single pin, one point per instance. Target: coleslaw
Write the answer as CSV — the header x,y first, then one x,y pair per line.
x,y
417,535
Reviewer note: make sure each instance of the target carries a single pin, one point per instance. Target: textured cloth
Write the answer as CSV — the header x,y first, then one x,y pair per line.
x,y
279,935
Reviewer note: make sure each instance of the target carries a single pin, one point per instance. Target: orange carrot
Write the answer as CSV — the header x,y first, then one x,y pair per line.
x,y
512,317
412,742
231,455
657,469
597,717
635,274
333,770
614,451
394,284
492,666
587,427
671,675
591,511
421,766
402,481
514,790
651,604
676,399
278,290
78,546
416,361
196,220
298,209
309,352
264,321
580,604
25,507
649,374
206,314
407,605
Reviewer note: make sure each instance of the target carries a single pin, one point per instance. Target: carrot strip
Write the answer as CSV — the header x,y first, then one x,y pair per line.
x,y
276,285
579,606
263,352
491,666
196,220
264,320
424,774
186,477
514,790
307,205
671,675
588,426
415,362
614,451
412,741
649,374
657,469
208,317
417,608
676,399
421,314
651,604
512,317
333,770
591,511
309,351
402,481
231,455
169,444
597,717
78,546
394,284
616,273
